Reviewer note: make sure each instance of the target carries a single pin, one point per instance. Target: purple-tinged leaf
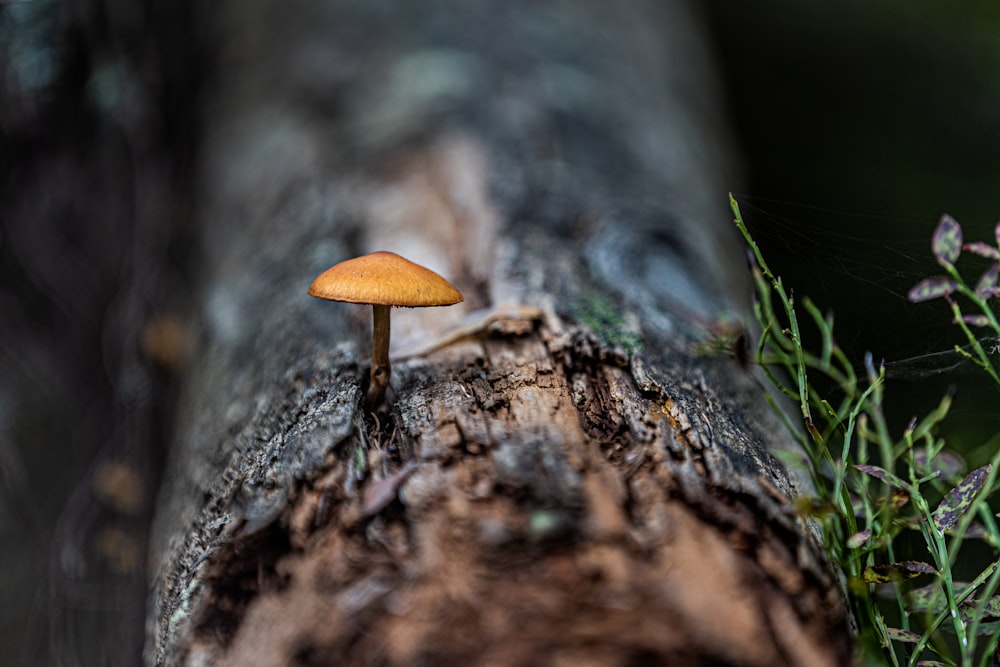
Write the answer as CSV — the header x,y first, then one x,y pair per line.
x,y
946,244
986,286
907,569
976,320
858,540
900,635
870,371
976,531
884,475
958,500
945,465
931,288
991,610
982,249
929,599
996,234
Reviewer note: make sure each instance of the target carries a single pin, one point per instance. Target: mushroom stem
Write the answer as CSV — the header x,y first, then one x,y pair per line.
x,y
381,370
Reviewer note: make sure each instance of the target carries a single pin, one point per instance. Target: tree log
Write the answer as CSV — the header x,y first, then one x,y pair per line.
x,y
562,475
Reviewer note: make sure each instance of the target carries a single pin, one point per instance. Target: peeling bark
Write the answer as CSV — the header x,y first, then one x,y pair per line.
x,y
559,475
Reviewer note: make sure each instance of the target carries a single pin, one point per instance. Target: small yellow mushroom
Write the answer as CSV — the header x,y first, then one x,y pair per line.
x,y
382,280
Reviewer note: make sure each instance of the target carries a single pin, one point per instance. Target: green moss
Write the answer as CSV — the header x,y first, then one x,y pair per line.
x,y
599,314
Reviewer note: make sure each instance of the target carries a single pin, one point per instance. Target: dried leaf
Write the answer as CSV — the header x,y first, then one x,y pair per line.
x,y
959,499
907,569
813,431
380,493
931,288
982,249
946,244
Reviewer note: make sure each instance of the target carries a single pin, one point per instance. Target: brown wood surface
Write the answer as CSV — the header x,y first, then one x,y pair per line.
x,y
561,477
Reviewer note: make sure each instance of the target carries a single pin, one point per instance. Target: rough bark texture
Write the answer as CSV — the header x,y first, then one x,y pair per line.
x,y
561,477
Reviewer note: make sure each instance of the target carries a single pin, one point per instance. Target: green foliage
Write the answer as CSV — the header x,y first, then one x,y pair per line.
x,y
880,495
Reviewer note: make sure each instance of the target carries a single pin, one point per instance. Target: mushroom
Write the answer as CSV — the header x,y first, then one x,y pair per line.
x,y
382,280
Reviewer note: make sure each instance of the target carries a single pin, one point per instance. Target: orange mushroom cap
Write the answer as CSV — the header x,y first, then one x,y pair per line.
x,y
384,279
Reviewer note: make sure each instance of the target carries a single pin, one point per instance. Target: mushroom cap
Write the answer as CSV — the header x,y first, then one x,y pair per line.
x,y
384,279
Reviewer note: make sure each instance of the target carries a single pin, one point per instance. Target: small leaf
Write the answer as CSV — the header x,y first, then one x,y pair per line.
x,y
986,286
991,610
914,567
859,539
959,499
946,244
929,599
899,497
871,575
976,320
945,465
982,249
907,569
996,234
900,635
884,475
870,368
977,531
931,288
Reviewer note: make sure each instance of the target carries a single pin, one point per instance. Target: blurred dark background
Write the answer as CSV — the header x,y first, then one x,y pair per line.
x,y
859,124
98,129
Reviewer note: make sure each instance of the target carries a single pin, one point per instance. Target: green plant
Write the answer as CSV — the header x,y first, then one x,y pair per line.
x,y
947,246
895,509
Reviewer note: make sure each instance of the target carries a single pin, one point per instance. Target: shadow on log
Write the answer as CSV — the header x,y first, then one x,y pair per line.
x,y
558,478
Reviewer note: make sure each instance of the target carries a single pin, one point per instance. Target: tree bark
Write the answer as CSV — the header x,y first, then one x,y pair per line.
x,y
561,476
